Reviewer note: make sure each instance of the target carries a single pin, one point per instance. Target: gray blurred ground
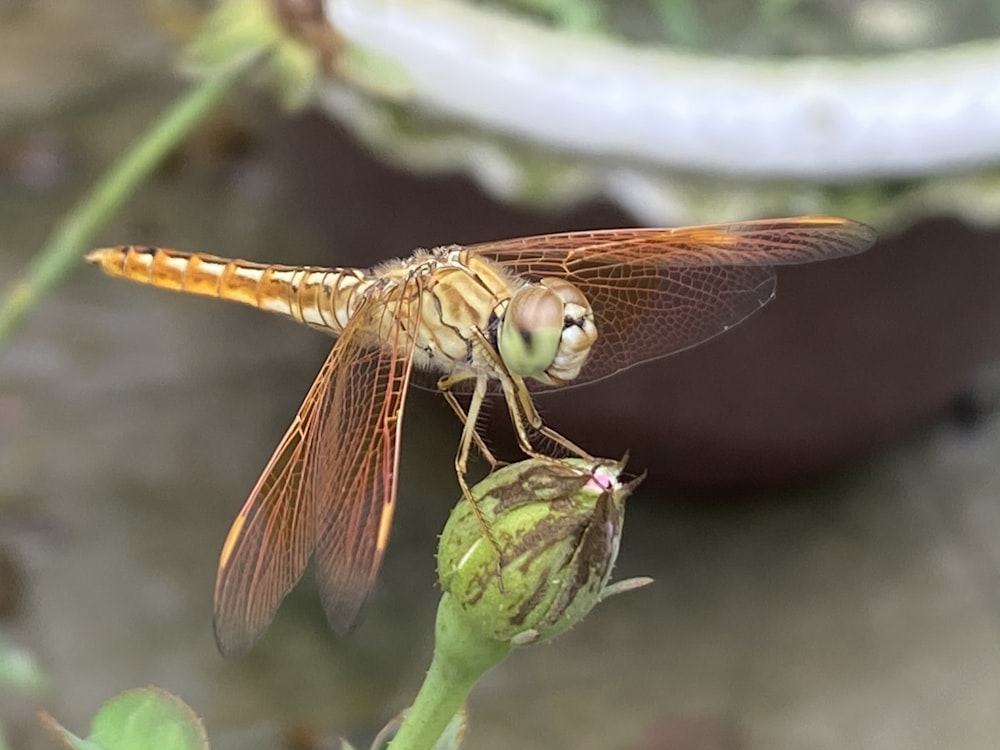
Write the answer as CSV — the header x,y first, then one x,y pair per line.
x,y
857,612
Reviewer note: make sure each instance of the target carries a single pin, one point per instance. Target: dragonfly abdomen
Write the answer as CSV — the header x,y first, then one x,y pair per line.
x,y
322,298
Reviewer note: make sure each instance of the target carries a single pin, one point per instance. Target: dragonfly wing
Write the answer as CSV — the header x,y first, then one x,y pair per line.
x,y
659,291
330,487
669,311
269,543
765,242
357,460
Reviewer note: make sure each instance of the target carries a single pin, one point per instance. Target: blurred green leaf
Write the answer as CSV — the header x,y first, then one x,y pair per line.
x,y
241,30
235,31
18,669
140,719
375,73
572,15
682,22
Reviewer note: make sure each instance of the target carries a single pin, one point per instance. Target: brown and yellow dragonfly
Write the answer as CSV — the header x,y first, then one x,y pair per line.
x,y
514,315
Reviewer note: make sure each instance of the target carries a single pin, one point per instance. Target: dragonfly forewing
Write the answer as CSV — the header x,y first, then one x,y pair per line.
x,y
656,292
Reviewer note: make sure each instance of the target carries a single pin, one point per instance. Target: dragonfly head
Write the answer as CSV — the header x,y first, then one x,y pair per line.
x,y
547,331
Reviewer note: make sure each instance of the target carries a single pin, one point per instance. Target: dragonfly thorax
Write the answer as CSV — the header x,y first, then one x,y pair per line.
x,y
546,331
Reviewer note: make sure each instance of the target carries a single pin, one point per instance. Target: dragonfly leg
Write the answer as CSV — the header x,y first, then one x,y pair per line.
x,y
509,385
521,408
469,435
533,418
445,385
523,414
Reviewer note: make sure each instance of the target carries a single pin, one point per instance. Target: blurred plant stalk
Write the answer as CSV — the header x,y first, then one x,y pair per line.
x,y
240,38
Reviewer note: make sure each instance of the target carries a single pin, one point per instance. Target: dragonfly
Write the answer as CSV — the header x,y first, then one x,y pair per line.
x,y
513,316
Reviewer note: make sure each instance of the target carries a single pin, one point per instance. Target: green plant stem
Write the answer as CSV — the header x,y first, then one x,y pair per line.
x,y
461,657
76,231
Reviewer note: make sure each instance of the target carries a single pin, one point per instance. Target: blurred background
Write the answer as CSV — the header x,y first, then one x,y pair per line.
x,y
820,514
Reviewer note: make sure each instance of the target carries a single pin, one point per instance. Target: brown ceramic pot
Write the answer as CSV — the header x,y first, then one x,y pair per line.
x,y
850,356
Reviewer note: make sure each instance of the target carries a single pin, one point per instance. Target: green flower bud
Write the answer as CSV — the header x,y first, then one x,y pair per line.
x,y
556,525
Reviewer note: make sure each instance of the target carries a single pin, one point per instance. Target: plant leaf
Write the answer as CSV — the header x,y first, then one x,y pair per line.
x,y
140,719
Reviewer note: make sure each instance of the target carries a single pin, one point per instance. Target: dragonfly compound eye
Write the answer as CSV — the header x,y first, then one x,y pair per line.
x,y
578,335
531,330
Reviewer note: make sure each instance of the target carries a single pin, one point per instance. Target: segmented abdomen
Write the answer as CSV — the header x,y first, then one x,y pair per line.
x,y
319,297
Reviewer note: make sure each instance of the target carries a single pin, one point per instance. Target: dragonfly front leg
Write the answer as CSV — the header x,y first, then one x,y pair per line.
x,y
523,413
522,409
527,407
445,385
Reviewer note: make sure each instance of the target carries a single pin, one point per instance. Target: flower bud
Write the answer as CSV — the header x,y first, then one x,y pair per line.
x,y
556,526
